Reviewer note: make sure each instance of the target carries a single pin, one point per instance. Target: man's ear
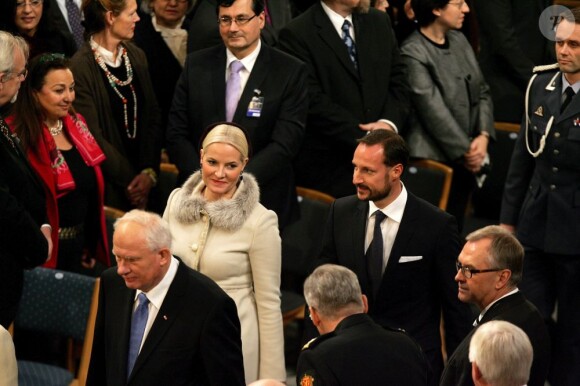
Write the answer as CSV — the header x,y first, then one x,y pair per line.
x,y
365,301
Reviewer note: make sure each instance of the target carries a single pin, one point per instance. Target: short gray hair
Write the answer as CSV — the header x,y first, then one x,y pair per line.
x,y
157,231
505,251
502,352
8,43
334,291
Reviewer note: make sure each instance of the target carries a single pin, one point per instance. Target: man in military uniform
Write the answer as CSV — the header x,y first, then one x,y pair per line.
x,y
352,349
541,201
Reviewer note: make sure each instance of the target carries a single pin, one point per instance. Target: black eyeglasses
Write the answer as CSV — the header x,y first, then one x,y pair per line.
x,y
469,272
226,21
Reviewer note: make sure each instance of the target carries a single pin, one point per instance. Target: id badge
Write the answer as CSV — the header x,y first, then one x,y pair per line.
x,y
255,106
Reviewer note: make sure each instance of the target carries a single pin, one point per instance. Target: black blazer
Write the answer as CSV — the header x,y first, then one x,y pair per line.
x,y
164,69
412,294
360,352
340,96
275,136
515,309
195,339
22,212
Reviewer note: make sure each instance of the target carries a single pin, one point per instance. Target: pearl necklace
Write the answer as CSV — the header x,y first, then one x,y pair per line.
x,y
115,82
56,130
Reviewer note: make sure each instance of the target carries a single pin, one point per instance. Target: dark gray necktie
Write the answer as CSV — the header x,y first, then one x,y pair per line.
x,y
375,253
347,39
567,98
74,19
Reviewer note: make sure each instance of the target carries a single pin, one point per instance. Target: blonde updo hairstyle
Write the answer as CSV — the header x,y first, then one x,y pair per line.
x,y
230,134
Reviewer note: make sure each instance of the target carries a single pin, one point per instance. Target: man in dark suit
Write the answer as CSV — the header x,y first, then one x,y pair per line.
x,y
352,349
413,282
25,236
57,12
351,89
271,105
541,200
511,45
489,269
160,322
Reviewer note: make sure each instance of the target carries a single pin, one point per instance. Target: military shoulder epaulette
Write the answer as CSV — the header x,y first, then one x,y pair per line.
x,y
547,67
315,341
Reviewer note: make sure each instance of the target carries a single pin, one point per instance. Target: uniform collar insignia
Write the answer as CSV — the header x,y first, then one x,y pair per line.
x,y
577,121
539,111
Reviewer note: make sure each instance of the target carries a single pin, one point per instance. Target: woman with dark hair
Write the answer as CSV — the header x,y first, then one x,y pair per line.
x,y
67,159
25,18
162,35
220,229
115,94
453,113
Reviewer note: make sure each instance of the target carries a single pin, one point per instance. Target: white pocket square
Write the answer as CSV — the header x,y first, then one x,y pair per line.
x,y
407,259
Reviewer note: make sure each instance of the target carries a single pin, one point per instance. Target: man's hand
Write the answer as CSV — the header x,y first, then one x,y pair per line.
x,y
138,190
476,154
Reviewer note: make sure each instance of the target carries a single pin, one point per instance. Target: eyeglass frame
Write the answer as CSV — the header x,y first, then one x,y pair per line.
x,y
469,272
240,20
459,4
177,1
32,3
11,75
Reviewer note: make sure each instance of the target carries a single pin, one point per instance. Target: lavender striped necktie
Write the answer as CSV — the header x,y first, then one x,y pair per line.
x,y
233,89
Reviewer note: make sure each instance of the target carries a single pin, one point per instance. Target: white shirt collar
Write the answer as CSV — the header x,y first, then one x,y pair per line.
x,y
157,294
395,209
337,20
248,61
565,84
106,54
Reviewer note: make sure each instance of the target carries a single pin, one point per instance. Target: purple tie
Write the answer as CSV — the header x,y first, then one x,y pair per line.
x,y
138,323
74,19
233,89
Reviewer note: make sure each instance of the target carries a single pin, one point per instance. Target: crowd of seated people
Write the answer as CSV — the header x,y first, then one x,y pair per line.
x,y
95,94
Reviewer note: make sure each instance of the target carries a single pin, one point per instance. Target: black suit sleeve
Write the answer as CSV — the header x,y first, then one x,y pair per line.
x,y
183,152
221,345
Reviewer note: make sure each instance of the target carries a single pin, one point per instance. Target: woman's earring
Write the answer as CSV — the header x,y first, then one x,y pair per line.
x,y
200,169
242,175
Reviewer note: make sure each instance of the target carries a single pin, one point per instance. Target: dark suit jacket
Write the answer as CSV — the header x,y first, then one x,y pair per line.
x,y
360,352
511,45
22,212
340,96
195,339
515,309
542,195
275,136
58,22
164,69
412,294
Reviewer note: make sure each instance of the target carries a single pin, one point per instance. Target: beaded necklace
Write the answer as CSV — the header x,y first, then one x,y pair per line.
x,y
114,82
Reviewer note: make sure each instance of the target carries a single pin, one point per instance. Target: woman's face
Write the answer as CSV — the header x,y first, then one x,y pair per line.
x,y
221,166
122,26
453,14
57,94
27,16
169,13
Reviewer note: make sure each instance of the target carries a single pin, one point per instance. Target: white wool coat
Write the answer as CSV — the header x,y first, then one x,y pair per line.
x,y
236,243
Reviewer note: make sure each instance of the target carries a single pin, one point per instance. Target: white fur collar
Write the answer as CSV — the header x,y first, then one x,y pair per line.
x,y
229,214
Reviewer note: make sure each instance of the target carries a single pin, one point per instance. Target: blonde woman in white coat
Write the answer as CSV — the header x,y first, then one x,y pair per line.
x,y
220,229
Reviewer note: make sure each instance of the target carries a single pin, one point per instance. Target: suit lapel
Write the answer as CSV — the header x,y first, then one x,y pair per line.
x,y
329,35
255,81
358,242
165,318
404,234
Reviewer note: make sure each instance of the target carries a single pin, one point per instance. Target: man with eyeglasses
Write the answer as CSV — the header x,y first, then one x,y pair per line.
x,y
25,235
489,269
258,87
